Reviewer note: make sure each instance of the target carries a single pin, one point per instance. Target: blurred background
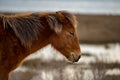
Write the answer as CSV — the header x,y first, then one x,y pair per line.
x,y
99,36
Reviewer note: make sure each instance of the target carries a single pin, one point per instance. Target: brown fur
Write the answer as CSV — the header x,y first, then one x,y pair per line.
x,y
27,33
23,34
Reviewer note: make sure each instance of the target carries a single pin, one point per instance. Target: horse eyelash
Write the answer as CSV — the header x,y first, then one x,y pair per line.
x,y
71,33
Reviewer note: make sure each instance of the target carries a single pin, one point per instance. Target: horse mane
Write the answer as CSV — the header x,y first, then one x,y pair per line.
x,y
26,27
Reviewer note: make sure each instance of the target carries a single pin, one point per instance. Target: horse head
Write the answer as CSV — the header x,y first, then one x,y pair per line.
x,y
65,38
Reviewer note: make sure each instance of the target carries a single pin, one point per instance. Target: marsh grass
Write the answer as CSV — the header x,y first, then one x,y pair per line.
x,y
38,69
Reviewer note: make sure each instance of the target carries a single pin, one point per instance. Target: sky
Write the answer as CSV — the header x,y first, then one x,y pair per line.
x,y
77,6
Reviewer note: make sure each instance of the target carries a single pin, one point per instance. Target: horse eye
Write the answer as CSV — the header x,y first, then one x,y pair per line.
x,y
72,33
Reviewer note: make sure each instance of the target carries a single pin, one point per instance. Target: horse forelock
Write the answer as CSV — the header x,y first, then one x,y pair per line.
x,y
57,20
26,28
54,22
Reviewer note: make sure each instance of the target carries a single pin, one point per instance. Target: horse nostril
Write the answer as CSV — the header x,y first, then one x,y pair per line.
x,y
75,59
78,58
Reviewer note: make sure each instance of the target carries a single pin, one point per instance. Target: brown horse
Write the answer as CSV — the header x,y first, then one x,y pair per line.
x,y
23,34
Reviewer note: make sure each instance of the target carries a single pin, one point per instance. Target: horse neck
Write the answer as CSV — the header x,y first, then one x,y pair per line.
x,y
3,74
42,40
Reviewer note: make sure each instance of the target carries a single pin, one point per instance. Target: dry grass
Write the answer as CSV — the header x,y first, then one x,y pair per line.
x,y
62,70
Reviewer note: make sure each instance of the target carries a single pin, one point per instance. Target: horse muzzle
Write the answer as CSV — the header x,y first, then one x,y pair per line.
x,y
75,58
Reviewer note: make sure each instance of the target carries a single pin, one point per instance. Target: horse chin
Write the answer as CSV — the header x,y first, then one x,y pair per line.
x,y
71,60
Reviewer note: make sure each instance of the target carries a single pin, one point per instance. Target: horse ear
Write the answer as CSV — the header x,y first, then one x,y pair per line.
x,y
60,16
54,23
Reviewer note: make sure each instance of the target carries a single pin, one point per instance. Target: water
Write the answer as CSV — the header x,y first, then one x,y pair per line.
x,y
78,6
